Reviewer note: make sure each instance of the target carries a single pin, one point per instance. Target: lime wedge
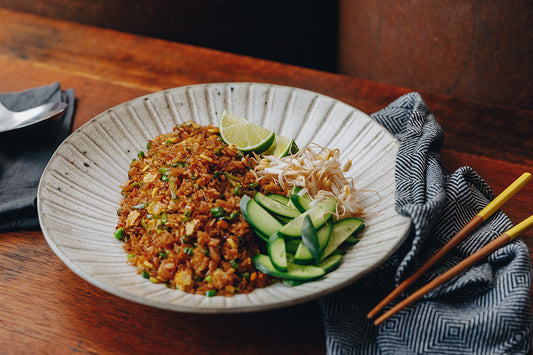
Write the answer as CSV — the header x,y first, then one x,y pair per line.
x,y
245,135
270,149
285,146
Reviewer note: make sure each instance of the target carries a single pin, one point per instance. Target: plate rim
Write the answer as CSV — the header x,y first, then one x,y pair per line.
x,y
407,222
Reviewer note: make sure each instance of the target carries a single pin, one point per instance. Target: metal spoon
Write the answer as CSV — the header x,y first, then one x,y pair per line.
x,y
10,120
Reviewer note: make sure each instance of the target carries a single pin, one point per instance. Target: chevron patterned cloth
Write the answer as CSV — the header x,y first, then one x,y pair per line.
x,y
485,310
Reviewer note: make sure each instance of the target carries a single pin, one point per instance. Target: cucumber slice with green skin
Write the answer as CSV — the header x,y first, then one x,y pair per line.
x,y
292,283
277,252
280,198
303,255
318,214
262,222
291,245
351,240
275,206
342,229
310,239
300,202
283,220
330,263
295,190
294,272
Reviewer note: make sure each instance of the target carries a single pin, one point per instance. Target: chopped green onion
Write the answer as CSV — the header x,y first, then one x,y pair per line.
x,y
233,215
210,293
173,188
216,174
148,145
233,177
163,217
217,212
180,164
188,250
234,264
143,223
237,191
253,185
119,233
141,154
140,206
208,278
163,170
145,274
245,275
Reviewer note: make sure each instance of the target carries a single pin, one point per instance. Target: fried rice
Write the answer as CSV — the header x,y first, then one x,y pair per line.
x,y
180,219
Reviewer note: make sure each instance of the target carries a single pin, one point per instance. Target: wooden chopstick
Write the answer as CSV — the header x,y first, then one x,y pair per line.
x,y
497,243
485,213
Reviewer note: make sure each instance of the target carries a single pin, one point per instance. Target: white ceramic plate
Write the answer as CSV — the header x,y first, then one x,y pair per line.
x,y
79,192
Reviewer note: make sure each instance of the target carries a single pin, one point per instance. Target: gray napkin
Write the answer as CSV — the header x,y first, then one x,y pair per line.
x,y
485,310
24,154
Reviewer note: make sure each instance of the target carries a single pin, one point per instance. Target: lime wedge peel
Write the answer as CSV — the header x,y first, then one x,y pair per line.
x,y
245,135
284,146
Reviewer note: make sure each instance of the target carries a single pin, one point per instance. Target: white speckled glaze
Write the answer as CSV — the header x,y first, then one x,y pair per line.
x,y
79,192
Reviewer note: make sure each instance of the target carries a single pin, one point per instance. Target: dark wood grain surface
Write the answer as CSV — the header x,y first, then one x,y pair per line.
x,y
46,308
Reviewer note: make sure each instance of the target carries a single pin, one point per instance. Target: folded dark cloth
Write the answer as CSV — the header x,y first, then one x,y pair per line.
x,y
485,310
24,154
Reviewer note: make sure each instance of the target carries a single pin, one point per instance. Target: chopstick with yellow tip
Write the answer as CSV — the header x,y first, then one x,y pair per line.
x,y
481,217
495,244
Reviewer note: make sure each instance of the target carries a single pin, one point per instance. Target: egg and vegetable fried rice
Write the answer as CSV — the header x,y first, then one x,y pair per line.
x,y
180,219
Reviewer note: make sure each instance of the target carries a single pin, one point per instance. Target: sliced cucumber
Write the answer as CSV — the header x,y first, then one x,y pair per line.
x,y
291,245
309,238
294,272
330,263
303,255
318,214
342,229
277,252
292,283
283,220
259,219
300,202
351,240
280,198
275,206
296,189
244,205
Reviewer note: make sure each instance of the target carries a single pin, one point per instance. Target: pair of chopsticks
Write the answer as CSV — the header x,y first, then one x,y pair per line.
x,y
495,244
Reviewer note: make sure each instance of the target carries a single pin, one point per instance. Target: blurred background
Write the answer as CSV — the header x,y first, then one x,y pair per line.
x,y
475,49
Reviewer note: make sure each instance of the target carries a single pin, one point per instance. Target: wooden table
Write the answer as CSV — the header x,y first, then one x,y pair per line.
x,y
46,308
